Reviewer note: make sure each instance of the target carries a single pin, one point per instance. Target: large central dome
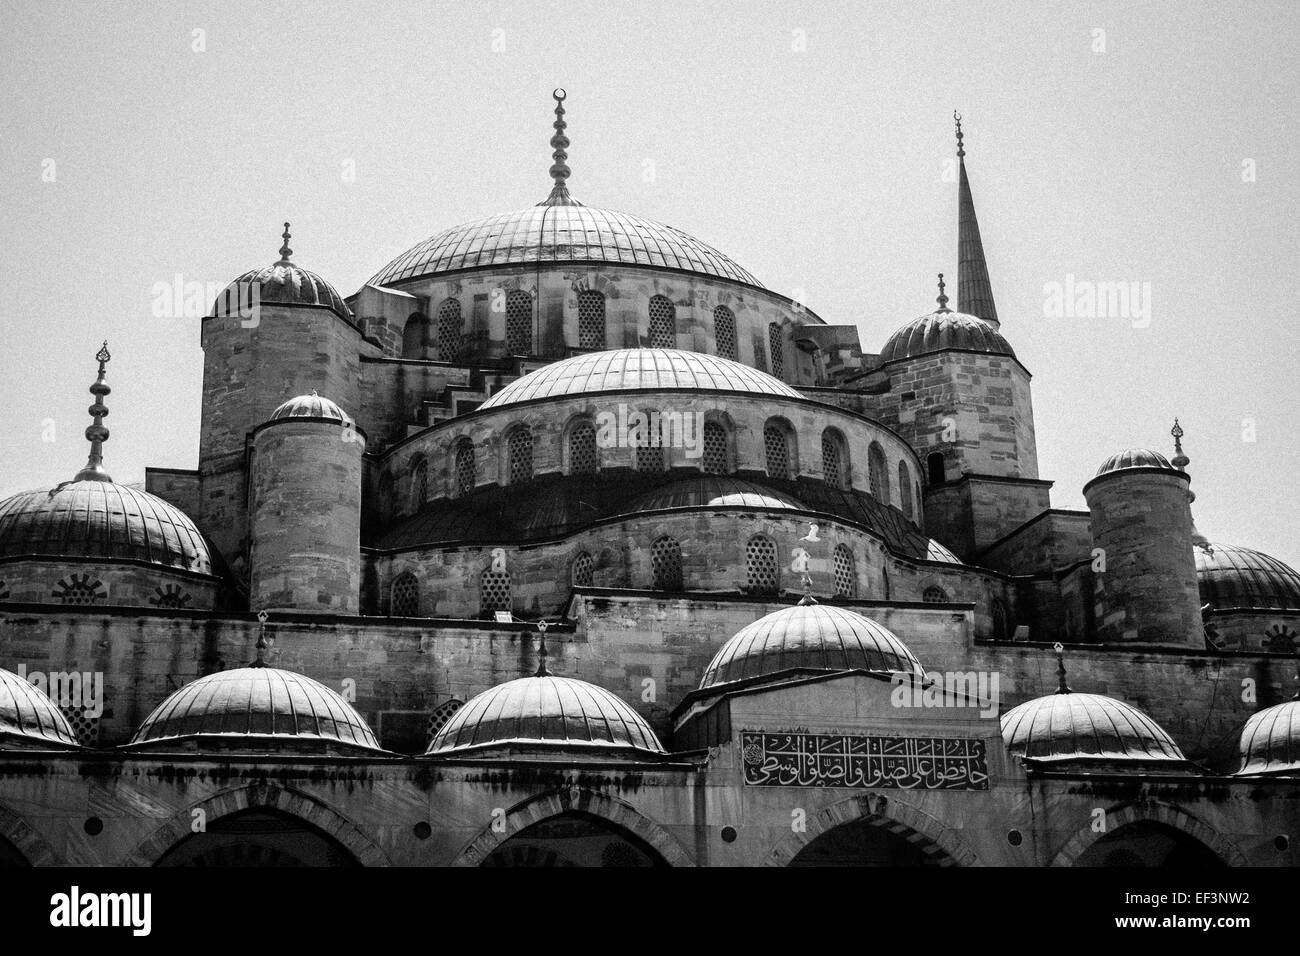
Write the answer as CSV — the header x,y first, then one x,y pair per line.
x,y
554,234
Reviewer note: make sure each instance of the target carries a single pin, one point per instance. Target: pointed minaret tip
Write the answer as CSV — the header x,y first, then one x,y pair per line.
x,y
560,166
974,291
96,433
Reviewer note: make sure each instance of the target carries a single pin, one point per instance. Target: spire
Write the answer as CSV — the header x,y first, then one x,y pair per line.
x,y
542,669
974,292
285,251
943,299
1061,686
96,433
560,168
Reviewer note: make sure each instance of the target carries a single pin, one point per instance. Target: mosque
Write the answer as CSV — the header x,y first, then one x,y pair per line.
x,y
564,541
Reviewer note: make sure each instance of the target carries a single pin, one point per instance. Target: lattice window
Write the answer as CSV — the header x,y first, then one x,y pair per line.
x,y
419,485
666,564
833,460
451,330
441,714
879,480
171,596
760,565
905,487
583,572
778,452
934,595
776,347
724,332
583,459
521,455
591,319
80,589
494,591
84,727
663,323
846,572
466,473
405,596
715,449
649,452
519,323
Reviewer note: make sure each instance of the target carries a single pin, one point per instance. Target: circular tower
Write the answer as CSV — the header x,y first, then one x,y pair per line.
x,y
1144,570
305,509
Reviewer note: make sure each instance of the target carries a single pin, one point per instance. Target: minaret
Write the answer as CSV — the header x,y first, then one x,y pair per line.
x,y
560,168
974,292
96,432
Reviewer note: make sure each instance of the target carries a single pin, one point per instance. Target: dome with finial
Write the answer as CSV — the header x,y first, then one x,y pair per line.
x,y
311,406
944,330
1230,577
809,636
1135,458
281,283
29,719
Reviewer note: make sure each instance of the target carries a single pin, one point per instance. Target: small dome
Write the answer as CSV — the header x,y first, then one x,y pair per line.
x,y
311,406
812,637
1065,726
1135,458
1232,577
283,283
101,519
262,704
1270,740
558,711
29,718
554,234
650,369
714,493
944,330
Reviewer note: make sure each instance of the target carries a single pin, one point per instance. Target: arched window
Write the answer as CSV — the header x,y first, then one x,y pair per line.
x,y
466,473
583,571
846,572
663,323
419,485
519,323
1001,621
666,564
934,595
760,565
724,332
776,347
835,464
414,336
582,449
591,319
879,473
450,330
649,451
934,466
520,449
905,487
494,591
777,447
404,596
715,449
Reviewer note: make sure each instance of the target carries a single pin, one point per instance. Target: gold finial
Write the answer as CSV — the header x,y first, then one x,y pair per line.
x,y
1061,686
943,299
560,167
96,433
961,150
285,251
542,669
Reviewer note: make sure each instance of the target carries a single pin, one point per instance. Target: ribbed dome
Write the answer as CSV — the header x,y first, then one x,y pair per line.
x,y
310,406
546,710
944,330
1134,458
100,519
1270,740
714,493
282,283
560,234
28,715
934,551
251,704
1232,577
654,369
1071,726
811,636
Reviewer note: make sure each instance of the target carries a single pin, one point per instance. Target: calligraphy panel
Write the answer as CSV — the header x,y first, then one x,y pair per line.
x,y
858,760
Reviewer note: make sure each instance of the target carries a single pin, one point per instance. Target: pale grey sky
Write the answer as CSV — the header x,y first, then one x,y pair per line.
x,y
807,141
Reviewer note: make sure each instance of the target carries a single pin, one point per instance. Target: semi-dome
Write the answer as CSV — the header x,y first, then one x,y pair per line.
x,y
1066,726
560,234
311,406
1233,577
546,710
810,636
650,369
943,330
715,492
1134,458
257,705
101,519
28,718
281,283
1270,740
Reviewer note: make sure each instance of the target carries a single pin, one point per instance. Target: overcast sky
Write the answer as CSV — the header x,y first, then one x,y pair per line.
x,y
808,144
